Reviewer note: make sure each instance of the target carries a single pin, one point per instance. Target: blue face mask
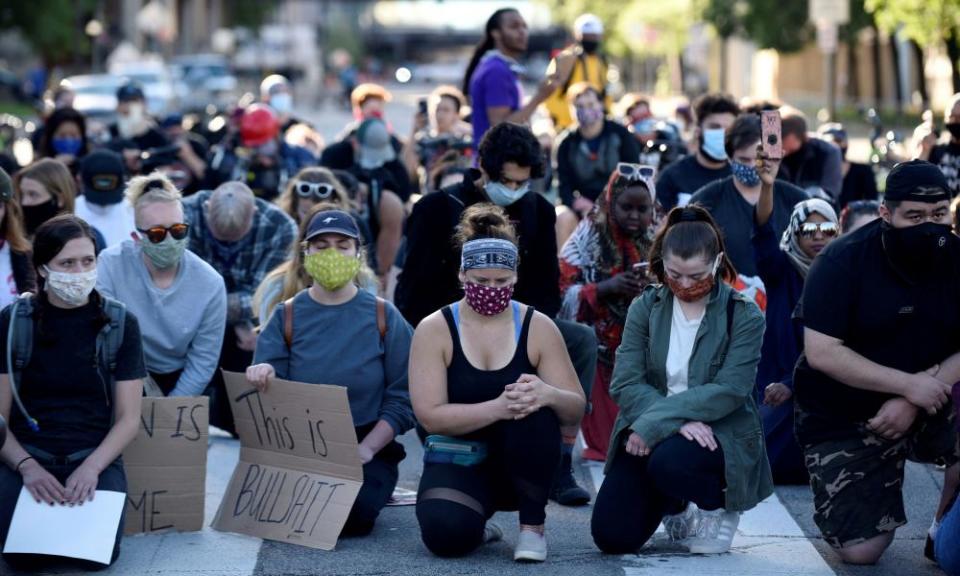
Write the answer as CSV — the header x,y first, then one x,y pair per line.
x,y
503,195
746,174
69,146
713,144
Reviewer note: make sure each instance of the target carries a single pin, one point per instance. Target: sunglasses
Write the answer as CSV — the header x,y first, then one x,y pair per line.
x,y
828,229
320,190
635,172
157,234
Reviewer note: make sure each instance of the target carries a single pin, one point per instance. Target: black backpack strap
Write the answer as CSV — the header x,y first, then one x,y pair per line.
x,y
21,332
109,341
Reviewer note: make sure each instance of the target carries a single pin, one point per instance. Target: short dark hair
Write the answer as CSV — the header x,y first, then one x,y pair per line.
x,y
745,131
854,210
509,142
714,103
794,123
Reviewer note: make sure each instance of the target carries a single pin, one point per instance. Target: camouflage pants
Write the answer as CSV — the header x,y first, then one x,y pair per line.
x,y
857,481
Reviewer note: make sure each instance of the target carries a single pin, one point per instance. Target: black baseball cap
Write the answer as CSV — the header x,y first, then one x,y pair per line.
x,y
130,91
332,222
917,181
102,173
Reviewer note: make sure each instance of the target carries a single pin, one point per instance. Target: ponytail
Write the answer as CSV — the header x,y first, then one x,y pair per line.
x,y
487,44
690,231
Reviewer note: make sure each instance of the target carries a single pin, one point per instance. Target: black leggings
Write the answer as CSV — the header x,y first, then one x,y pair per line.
x,y
638,492
379,479
454,502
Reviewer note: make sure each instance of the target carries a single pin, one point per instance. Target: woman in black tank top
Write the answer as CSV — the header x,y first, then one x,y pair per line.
x,y
492,378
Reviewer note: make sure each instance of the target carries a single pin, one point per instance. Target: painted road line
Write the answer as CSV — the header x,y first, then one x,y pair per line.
x,y
208,552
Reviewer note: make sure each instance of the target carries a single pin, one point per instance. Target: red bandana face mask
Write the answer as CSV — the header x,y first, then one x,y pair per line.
x,y
487,300
698,289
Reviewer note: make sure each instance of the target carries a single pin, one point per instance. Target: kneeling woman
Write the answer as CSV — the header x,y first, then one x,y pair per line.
x,y
688,440
335,333
85,415
491,381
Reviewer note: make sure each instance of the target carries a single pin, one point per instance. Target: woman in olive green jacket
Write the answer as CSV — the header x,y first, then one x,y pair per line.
x,y
688,446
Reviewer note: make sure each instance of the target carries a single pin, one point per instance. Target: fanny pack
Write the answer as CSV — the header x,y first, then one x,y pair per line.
x,y
448,450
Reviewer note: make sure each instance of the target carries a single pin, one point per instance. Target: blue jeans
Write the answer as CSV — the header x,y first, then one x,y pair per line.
x,y
947,545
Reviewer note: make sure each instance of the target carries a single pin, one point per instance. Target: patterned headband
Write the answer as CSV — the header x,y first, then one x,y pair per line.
x,y
487,253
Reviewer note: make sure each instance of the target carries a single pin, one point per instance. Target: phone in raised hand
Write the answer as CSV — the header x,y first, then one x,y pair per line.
x,y
771,134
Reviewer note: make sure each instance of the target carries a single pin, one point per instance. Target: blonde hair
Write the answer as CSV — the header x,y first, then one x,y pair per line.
x,y
294,277
155,188
290,203
55,178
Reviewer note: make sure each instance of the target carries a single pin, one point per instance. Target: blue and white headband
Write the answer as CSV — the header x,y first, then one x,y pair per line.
x,y
489,253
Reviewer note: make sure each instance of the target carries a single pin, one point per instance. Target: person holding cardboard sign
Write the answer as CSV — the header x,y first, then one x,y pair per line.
x,y
493,410
368,355
74,416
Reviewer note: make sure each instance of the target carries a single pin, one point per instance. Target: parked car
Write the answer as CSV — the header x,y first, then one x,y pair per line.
x,y
205,79
96,95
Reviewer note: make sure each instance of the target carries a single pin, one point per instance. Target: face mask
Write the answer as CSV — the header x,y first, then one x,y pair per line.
x,y
589,116
132,124
264,181
105,198
503,195
166,254
590,46
919,250
281,103
34,216
331,269
745,174
72,287
712,144
698,289
70,146
954,129
486,300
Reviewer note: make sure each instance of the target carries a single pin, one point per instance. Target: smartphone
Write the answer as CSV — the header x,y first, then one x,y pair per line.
x,y
770,134
422,106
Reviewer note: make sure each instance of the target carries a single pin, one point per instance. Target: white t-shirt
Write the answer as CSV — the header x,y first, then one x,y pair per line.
x,y
8,286
114,221
683,333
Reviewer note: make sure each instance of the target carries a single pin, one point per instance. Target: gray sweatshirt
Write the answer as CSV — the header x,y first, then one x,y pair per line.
x,y
183,325
340,345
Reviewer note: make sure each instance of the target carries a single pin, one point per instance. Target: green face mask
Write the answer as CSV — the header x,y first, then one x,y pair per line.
x,y
331,269
166,254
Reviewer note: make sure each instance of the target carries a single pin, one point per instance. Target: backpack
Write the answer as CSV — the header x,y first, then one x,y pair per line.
x,y
288,320
20,343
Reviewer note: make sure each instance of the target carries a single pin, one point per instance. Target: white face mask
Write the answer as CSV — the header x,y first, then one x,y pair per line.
x,y
132,124
72,287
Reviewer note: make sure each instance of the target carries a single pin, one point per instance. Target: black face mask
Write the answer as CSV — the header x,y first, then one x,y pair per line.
x,y
34,216
954,129
105,198
590,46
919,252
265,180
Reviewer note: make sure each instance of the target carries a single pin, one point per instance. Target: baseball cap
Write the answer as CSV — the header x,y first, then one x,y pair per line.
x,y
375,146
130,91
102,174
916,181
332,222
588,24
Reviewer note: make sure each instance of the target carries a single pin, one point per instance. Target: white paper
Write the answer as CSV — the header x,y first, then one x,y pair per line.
x,y
87,532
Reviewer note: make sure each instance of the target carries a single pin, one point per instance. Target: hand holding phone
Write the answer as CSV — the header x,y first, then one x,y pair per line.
x,y
771,134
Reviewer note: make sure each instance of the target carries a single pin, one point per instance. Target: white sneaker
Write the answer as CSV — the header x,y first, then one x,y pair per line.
x,y
681,526
531,547
715,532
492,533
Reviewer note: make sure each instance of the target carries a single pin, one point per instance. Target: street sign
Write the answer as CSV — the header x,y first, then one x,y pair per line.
x,y
830,11
827,39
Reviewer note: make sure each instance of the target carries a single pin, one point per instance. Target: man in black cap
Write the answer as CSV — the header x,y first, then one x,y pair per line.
x,y
881,317
102,204
134,130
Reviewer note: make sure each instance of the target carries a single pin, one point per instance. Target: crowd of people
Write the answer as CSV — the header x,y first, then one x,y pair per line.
x,y
710,327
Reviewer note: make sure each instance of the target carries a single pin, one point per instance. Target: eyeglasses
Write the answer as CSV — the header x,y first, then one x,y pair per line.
x,y
157,234
320,190
637,172
828,229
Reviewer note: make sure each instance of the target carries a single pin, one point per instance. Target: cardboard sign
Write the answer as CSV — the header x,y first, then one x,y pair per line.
x,y
299,471
166,466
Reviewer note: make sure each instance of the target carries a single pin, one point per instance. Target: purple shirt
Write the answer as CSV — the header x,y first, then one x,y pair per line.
x,y
492,85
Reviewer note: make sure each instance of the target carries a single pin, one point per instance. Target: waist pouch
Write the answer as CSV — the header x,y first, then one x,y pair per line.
x,y
448,450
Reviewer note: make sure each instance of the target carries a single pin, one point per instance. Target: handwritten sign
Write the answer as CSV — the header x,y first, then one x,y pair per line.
x,y
166,466
299,471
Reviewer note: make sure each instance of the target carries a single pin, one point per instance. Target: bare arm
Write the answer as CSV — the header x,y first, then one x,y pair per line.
x,y
431,350
126,411
767,168
391,231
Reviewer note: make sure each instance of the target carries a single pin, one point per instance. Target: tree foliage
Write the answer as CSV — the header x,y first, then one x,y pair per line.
x,y
928,22
53,28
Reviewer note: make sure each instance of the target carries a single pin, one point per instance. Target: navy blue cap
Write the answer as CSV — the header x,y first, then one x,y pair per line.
x,y
130,91
332,222
171,120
